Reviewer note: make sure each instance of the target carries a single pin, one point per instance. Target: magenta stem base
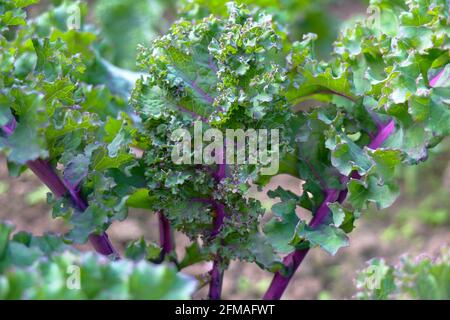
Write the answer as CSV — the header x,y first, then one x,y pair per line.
x,y
166,240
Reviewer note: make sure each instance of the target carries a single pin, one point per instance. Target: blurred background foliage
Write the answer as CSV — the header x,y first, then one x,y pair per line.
x,y
412,278
126,23
418,222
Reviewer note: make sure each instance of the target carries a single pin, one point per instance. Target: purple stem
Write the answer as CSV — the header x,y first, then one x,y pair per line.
x,y
376,119
220,217
196,88
47,175
10,127
79,202
219,175
215,284
212,65
321,213
337,94
202,93
203,200
165,235
220,213
434,81
44,171
383,133
294,259
193,114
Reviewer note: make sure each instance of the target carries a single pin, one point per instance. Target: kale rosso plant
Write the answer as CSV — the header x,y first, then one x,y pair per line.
x,y
380,102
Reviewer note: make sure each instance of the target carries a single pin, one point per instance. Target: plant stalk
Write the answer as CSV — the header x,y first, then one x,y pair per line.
x,y
44,171
293,260
215,286
166,240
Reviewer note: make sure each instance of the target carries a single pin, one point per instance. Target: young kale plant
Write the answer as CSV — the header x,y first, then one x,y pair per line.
x,y
380,102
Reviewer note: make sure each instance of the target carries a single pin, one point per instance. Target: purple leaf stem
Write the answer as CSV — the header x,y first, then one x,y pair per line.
x,y
44,171
215,285
435,80
193,114
165,235
220,216
383,133
294,259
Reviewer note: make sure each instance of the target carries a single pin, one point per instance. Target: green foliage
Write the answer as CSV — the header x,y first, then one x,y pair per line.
x,y
70,108
46,268
330,238
293,17
420,278
198,77
125,24
140,250
229,75
376,75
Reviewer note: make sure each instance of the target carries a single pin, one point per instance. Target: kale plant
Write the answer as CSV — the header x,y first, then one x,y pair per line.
x,y
102,138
